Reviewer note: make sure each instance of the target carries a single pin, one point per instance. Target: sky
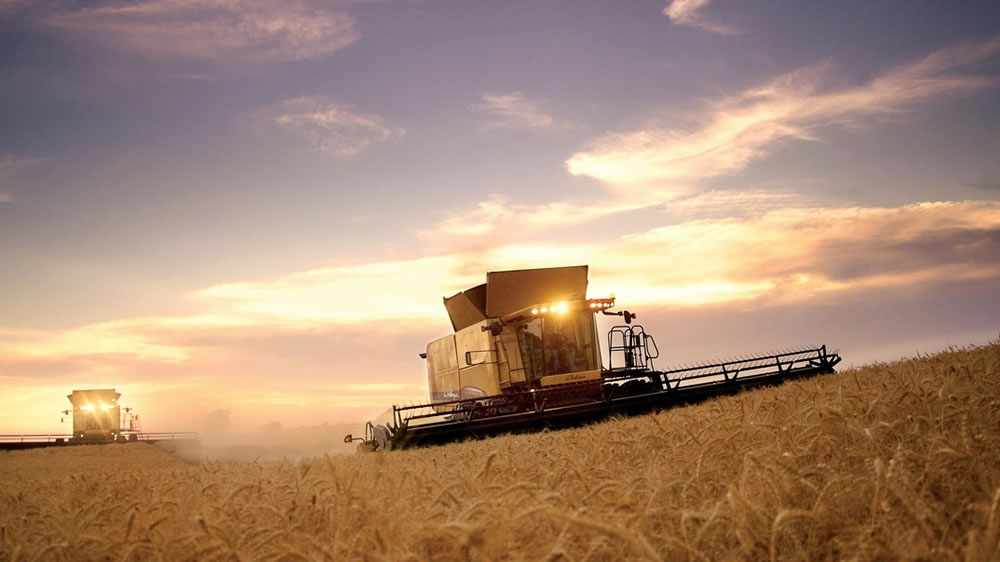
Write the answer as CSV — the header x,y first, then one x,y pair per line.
x,y
250,211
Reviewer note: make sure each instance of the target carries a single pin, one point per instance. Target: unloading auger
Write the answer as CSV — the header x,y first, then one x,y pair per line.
x,y
525,355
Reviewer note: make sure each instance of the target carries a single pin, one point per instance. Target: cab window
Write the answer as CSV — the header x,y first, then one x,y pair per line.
x,y
568,343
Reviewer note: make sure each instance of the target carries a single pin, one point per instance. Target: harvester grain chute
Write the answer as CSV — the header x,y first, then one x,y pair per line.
x,y
525,355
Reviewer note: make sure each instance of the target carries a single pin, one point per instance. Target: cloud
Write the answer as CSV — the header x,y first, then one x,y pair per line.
x,y
331,127
497,215
253,30
664,161
687,12
792,253
514,110
353,294
778,255
743,203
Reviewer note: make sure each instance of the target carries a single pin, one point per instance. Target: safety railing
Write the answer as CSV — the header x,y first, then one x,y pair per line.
x,y
636,347
35,438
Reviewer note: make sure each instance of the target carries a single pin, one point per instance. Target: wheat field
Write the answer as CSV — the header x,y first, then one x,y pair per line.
x,y
889,461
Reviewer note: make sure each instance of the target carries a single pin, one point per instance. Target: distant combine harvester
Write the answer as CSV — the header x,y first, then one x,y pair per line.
x,y
98,418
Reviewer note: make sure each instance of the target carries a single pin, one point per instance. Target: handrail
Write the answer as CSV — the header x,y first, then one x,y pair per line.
x,y
634,350
656,350
166,436
33,437
57,437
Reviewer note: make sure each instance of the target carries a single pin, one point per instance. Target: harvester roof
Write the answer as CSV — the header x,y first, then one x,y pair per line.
x,y
509,291
93,395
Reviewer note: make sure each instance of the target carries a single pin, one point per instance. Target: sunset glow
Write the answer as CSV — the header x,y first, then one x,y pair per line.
x,y
257,208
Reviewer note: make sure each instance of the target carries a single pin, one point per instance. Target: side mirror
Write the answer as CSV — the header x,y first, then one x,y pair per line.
x,y
348,438
629,317
494,328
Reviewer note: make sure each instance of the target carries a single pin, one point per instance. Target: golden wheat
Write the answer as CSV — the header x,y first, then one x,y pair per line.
x,y
890,461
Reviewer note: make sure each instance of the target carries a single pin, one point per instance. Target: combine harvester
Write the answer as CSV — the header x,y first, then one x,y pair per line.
x,y
98,418
526,355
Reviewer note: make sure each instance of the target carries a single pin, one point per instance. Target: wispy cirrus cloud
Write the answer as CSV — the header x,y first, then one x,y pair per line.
x,y
659,163
498,214
351,293
688,12
738,203
332,127
513,110
252,30
664,161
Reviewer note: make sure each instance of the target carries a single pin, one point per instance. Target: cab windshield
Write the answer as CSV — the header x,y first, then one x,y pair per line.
x,y
560,343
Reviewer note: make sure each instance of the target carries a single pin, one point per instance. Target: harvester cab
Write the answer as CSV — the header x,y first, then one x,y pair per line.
x,y
522,330
96,414
543,345
525,353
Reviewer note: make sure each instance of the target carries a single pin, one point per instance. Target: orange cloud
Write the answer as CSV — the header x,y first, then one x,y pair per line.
x,y
794,252
357,294
688,12
498,215
780,254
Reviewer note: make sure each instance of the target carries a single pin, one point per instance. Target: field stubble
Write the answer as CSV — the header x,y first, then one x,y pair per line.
x,y
889,461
